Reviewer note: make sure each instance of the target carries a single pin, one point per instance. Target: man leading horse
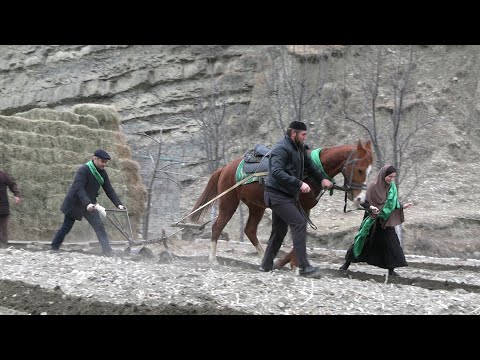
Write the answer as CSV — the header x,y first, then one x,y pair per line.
x,y
287,162
354,162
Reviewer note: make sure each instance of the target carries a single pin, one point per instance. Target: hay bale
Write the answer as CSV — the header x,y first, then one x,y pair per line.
x,y
107,116
69,117
42,149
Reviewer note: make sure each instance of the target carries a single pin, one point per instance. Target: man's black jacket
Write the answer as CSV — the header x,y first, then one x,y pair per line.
x,y
84,191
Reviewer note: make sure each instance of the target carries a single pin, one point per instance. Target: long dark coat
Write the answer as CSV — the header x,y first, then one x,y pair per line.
x,y
6,181
84,191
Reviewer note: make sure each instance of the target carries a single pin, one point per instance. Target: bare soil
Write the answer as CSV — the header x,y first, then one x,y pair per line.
x,y
86,283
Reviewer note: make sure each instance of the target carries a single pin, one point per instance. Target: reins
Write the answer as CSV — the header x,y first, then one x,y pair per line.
x,y
348,185
312,225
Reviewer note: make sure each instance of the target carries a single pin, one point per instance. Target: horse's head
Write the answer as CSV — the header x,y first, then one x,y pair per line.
x,y
355,171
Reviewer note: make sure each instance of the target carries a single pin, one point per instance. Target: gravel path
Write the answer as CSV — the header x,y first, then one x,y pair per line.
x,y
68,282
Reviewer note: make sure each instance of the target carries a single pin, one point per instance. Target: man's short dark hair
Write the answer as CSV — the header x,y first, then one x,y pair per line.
x,y
298,125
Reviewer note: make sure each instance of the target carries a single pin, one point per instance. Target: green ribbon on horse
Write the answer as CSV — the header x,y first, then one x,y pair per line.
x,y
391,204
315,156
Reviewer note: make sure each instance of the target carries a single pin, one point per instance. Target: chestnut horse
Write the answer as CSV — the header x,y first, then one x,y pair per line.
x,y
353,161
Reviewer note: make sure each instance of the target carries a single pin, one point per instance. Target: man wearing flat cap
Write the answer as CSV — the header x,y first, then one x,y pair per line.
x,y
287,162
81,200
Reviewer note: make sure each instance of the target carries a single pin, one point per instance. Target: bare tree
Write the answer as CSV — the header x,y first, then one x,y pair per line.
x,y
295,82
211,118
159,164
390,112
214,132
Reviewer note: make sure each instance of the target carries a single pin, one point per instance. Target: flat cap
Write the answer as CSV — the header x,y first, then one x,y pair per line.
x,y
102,154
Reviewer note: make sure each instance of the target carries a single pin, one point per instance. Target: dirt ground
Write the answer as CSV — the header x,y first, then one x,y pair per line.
x,y
442,250
85,283
21,298
30,299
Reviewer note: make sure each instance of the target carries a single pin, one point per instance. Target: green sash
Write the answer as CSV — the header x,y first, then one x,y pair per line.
x,y
315,156
391,204
95,172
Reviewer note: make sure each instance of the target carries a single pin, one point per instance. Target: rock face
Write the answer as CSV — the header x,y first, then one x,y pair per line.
x,y
43,149
151,88
158,89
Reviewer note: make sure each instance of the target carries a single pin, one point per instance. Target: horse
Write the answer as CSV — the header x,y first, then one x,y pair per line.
x,y
353,161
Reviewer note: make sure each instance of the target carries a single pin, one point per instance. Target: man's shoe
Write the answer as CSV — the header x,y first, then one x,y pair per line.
x,y
54,248
308,270
264,269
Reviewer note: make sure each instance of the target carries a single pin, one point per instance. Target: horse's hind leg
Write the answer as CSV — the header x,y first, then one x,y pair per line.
x,y
255,215
289,258
227,205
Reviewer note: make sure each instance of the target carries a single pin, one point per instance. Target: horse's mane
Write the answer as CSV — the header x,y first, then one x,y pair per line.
x,y
362,143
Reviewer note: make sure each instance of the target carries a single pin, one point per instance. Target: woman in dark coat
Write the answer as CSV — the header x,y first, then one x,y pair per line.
x,y
376,242
6,181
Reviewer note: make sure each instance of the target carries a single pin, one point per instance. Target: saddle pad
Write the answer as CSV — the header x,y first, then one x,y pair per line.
x,y
244,169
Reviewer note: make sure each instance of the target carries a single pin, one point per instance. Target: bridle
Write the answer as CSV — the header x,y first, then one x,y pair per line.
x,y
348,184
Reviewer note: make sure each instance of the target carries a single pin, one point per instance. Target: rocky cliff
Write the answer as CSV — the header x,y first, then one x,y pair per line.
x,y
157,89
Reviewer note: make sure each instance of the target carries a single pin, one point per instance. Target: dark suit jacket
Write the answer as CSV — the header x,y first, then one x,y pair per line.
x,y
6,181
84,191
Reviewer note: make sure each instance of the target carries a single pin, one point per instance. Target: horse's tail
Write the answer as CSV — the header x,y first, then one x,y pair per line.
x,y
211,190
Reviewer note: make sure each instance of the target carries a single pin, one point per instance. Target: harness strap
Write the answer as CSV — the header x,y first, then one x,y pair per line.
x,y
312,225
336,187
223,193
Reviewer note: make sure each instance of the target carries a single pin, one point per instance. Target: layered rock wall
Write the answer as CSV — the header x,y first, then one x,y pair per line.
x,y
157,89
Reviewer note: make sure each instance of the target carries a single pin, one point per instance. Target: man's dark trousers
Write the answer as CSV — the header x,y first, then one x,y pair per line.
x,y
284,215
94,220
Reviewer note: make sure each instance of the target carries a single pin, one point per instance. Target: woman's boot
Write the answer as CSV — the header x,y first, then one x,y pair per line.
x,y
345,265
392,272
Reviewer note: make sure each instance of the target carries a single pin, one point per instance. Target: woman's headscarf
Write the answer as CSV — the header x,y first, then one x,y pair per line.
x,y
377,192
